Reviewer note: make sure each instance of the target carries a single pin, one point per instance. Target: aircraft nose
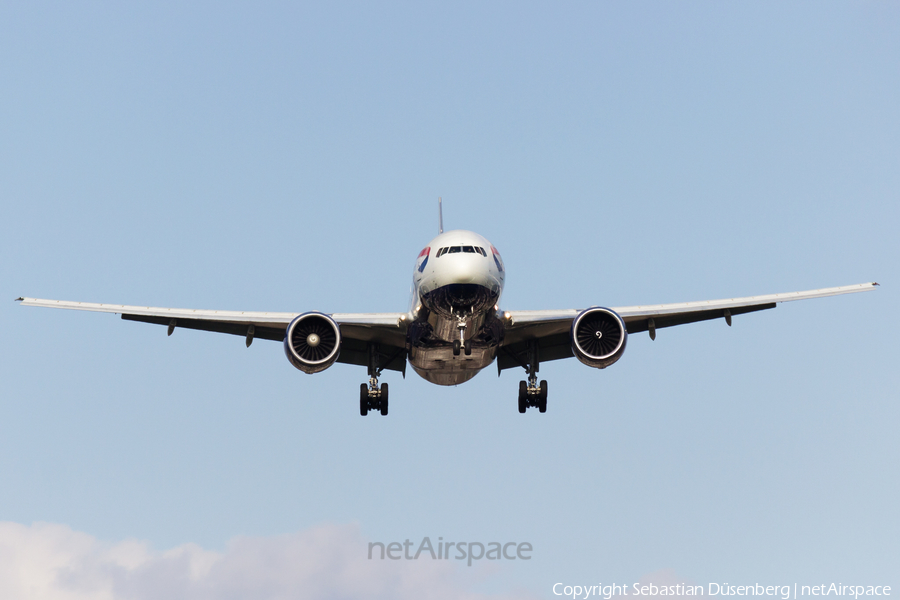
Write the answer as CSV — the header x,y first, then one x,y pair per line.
x,y
467,268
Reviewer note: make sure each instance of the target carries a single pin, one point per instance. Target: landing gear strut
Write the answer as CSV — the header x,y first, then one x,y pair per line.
x,y
462,343
530,393
371,397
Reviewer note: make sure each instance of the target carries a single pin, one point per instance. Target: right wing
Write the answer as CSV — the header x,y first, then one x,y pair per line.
x,y
358,330
550,328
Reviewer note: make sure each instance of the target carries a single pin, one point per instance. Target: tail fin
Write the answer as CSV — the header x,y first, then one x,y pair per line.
x,y
440,216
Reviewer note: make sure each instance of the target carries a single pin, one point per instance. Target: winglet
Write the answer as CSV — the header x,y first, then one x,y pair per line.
x,y
19,299
440,216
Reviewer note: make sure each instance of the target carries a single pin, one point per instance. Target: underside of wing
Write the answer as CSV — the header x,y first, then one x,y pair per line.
x,y
551,328
386,332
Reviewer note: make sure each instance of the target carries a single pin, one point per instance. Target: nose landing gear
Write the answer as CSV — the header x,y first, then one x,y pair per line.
x,y
462,343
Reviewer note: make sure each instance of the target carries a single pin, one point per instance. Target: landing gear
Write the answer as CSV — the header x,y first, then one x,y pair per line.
x,y
530,393
462,343
462,346
371,396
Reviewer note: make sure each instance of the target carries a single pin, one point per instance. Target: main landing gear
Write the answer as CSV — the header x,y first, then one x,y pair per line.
x,y
530,393
373,398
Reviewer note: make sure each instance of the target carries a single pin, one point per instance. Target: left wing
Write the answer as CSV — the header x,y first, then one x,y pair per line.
x,y
550,328
358,330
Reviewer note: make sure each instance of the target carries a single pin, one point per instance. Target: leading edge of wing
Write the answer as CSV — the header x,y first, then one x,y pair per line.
x,y
651,310
224,316
525,317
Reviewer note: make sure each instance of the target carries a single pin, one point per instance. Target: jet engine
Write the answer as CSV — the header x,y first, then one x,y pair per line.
x,y
598,337
312,342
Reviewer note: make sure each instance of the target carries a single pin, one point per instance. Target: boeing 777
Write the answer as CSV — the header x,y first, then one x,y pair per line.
x,y
454,327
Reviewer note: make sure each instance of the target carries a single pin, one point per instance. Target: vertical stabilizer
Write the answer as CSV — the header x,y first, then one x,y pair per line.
x,y
440,216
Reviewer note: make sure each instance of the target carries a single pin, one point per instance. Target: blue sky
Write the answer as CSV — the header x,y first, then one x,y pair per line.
x,y
289,158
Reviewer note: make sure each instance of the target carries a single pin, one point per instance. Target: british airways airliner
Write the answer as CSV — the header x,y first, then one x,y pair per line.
x,y
454,327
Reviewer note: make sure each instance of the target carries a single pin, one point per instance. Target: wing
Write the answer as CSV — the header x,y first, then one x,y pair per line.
x,y
358,330
550,328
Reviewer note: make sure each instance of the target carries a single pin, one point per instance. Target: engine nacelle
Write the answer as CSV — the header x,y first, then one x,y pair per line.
x,y
312,342
598,337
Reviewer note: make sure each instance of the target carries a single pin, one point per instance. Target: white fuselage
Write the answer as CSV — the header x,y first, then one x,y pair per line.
x,y
457,283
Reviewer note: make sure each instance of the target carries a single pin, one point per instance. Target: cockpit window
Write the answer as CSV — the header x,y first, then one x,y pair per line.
x,y
457,249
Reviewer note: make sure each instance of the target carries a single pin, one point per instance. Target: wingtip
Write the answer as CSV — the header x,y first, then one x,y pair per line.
x,y
19,299
876,283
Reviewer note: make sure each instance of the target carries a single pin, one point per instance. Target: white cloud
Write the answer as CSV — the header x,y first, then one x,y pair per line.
x,y
52,562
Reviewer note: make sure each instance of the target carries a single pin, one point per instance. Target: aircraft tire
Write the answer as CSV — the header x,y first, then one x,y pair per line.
x,y
523,392
384,399
456,347
363,399
542,397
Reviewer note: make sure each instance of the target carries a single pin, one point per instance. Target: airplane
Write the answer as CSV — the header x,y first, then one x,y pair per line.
x,y
454,327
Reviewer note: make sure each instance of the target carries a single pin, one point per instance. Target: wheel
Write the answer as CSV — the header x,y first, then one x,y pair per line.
x,y
456,347
468,347
542,397
384,399
523,393
363,399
